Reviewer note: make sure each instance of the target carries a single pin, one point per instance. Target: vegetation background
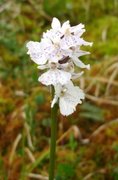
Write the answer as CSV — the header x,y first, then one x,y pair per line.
x,y
87,142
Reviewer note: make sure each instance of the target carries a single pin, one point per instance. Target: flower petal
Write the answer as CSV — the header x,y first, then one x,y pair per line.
x,y
65,108
55,99
42,67
53,77
70,99
77,28
35,52
67,42
85,43
80,64
79,52
65,26
56,25
77,75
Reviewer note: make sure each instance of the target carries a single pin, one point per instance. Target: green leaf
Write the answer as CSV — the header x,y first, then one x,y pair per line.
x,y
115,173
72,142
65,171
92,112
40,98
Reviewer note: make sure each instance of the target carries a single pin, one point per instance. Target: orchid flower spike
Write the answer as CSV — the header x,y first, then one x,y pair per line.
x,y
58,53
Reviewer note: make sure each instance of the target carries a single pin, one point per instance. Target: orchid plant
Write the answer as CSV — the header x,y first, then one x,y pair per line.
x,y
58,53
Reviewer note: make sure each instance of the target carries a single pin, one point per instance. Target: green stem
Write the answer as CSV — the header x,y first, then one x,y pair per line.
x,y
53,138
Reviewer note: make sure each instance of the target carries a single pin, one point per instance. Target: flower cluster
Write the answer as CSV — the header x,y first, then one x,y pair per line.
x,y
58,52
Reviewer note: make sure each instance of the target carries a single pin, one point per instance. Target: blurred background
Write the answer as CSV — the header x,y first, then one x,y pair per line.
x,y
87,141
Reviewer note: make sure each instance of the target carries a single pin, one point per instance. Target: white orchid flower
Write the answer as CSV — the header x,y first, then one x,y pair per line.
x,y
54,75
68,96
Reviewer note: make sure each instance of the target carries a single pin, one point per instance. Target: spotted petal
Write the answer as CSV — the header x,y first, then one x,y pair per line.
x,y
53,77
36,53
69,101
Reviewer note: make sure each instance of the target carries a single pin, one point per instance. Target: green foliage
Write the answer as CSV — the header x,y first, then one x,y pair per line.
x,y
40,99
3,173
29,112
72,143
46,122
6,106
52,6
29,117
92,112
115,173
115,146
103,35
65,171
